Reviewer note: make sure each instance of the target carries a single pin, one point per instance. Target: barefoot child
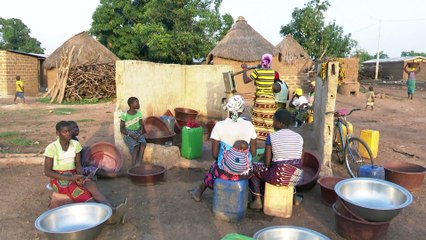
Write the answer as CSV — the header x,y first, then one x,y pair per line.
x,y
370,98
131,126
62,165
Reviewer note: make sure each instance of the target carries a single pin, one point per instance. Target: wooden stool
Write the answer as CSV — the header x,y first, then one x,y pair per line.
x,y
278,200
230,199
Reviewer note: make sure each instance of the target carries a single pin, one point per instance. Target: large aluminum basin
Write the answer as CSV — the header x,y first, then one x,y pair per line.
x,y
373,199
288,233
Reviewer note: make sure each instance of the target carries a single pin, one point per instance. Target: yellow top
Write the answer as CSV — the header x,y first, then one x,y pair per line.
x,y
19,86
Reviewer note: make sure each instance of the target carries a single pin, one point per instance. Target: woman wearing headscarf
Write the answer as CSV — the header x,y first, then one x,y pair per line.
x,y
264,103
231,163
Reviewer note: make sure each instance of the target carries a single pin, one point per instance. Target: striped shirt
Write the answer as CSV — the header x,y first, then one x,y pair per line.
x,y
286,145
264,79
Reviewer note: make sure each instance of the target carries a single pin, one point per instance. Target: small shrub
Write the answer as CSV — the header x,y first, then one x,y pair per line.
x,y
20,141
8,134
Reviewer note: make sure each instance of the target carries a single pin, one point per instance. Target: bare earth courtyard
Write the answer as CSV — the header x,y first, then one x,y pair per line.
x,y
166,211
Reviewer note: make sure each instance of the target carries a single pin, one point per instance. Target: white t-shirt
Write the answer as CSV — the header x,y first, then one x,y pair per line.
x,y
299,101
228,131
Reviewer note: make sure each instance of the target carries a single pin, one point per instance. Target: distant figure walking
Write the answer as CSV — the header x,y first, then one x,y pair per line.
x,y
411,69
19,89
370,98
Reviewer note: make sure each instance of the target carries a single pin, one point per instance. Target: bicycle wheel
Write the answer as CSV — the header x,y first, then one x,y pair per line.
x,y
338,145
353,159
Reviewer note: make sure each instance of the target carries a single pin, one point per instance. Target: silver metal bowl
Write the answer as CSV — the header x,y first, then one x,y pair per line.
x,y
288,232
74,221
373,199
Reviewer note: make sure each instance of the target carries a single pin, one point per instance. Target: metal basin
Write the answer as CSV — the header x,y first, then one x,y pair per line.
x,y
287,233
74,221
311,169
407,175
146,174
373,199
159,137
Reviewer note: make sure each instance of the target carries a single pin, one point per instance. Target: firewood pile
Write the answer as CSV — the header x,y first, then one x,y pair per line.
x,y
87,81
91,81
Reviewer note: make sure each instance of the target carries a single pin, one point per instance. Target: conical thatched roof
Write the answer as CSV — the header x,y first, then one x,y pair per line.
x,y
289,50
92,52
242,43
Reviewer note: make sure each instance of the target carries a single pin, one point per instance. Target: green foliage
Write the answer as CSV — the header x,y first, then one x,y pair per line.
x,y
80,102
169,31
15,35
363,55
413,54
309,29
8,134
20,141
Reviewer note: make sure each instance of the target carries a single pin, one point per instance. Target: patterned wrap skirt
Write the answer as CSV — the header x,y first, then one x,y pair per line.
x,y
263,115
70,188
216,172
282,173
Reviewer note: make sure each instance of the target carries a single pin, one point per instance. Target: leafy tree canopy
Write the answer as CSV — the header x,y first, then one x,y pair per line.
x,y
309,29
15,35
169,31
413,54
363,55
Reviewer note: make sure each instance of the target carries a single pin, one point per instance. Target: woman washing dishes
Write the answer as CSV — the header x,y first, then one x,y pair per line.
x,y
282,164
231,163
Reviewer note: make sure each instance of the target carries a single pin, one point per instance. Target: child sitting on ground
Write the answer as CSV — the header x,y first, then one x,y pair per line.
x,y
370,98
62,165
131,126
88,168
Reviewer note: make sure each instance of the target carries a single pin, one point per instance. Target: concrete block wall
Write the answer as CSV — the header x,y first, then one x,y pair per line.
x,y
14,64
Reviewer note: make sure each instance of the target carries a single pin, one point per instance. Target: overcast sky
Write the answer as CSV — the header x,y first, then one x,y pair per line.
x,y
403,23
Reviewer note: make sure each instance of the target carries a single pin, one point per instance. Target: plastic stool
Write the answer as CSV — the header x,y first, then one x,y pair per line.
x,y
230,199
278,200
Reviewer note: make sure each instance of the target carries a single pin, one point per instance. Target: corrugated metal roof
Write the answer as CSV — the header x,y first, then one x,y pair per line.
x,y
39,56
397,59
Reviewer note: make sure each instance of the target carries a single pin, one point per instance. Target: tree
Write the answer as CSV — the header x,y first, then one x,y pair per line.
x,y
363,55
413,54
169,31
15,35
308,28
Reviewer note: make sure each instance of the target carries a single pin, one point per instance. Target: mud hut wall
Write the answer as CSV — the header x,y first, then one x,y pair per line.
x,y
14,64
51,76
350,67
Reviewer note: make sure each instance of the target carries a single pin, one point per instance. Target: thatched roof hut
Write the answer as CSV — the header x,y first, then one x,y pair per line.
x,y
92,52
290,50
242,43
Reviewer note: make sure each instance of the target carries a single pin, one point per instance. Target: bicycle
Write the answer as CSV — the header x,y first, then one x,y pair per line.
x,y
348,147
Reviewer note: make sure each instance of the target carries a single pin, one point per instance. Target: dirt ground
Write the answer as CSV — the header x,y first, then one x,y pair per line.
x,y
165,211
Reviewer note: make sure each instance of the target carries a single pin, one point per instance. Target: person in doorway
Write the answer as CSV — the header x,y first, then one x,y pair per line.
x,y
411,69
370,98
311,94
298,106
131,126
19,89
89,168
264,102
282,164
281,92
225,134
62,165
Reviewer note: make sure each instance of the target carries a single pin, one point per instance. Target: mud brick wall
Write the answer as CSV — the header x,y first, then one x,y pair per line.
x,y
350,66
13,64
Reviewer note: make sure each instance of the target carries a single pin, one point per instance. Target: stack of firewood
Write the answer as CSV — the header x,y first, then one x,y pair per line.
x,y
89,81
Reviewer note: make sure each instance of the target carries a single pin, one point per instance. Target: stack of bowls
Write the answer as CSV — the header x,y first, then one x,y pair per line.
x,y
183,115
369,204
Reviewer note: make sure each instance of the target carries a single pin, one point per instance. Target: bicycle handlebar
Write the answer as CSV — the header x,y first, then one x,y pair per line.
x,y
338,113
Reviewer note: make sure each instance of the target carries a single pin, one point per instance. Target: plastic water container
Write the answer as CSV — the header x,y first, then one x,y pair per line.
x,y
371,171
230,199
350,127
278,200
170,121
192,142
371,137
